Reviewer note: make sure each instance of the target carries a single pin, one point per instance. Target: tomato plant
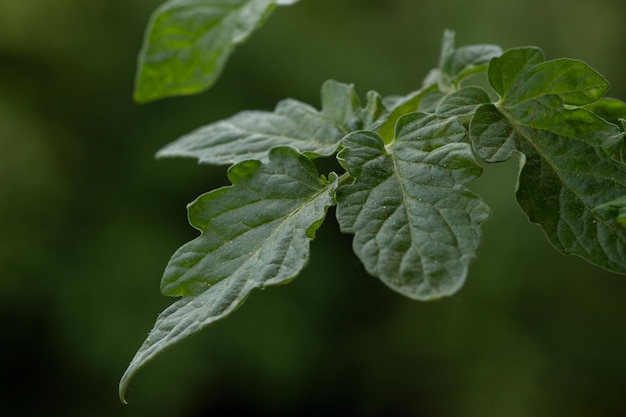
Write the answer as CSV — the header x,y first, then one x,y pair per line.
x,y
404,164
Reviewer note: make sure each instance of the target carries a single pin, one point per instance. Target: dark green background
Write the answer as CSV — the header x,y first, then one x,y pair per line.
x,y
88,220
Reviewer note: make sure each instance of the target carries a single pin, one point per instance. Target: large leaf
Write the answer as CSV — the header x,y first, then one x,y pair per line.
x,y
255,233
416,226
567,171
188,42
251,134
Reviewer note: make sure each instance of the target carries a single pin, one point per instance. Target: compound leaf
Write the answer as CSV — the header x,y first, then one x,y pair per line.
x,y
255,233
416,226
251,134
188,42
567,167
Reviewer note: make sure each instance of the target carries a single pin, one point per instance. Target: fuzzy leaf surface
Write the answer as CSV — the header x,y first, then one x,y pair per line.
x,y
456,63
188,42
566,170
415,224
463,102
254,234
251,134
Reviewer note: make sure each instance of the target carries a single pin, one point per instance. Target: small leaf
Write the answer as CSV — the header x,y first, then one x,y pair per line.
x,y
251,134
454,65
463,102
416,226
340,103
457,63
566,170
401,106
188,42
255,233
374,113
505,70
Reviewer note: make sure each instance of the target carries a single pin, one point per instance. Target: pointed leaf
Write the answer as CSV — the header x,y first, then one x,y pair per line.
x,y
374,113
340,103
188,42
251,134
566,171
255,233
416,226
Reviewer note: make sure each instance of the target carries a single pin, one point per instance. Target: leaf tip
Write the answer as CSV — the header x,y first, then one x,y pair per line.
x,y
122,389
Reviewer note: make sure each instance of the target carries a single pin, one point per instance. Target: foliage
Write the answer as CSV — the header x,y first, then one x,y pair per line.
x,y
406,161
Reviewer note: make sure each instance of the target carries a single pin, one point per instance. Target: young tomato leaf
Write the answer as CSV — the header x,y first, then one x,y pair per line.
x,y
416,225
251,134
255,233
463,102
401,106
455,64
566,169
188,42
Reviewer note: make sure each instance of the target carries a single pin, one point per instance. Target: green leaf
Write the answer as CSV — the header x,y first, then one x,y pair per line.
x,y
401,106
574,82
416,226
255,233
251,134
455,64
188,42
459,62
615,208
463,102
504,72
566,169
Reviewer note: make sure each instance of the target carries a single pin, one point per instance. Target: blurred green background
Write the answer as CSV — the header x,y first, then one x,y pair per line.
x,y
89,218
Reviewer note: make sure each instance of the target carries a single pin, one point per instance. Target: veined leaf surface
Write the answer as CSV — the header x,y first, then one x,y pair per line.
x,y
568,169
188,42
416,225
255,233
251,134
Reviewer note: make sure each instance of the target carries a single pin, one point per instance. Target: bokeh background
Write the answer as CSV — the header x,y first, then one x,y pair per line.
x,y
88,220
